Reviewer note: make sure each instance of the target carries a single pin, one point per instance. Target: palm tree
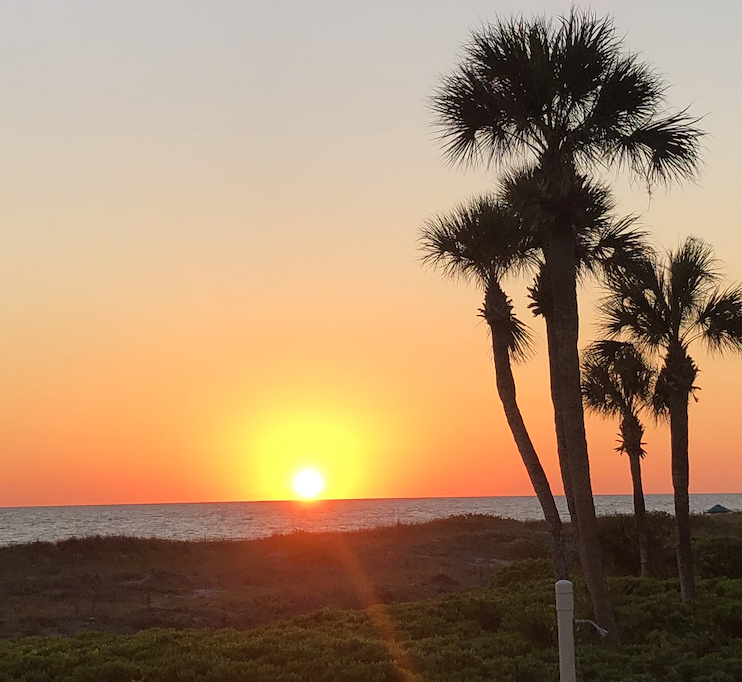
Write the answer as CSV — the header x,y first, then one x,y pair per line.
x,y
604,245
665,305
483,241
564,96
617,381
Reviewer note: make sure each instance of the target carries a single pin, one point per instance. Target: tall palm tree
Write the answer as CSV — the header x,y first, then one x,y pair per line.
x,y
617,382
665,305
483,241
564,96
605,245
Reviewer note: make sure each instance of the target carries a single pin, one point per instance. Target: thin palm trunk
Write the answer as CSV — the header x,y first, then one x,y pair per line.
x,y
562,264
680,482
640,511
507,393
631,434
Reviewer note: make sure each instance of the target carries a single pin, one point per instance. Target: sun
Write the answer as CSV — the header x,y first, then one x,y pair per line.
x,y
308,483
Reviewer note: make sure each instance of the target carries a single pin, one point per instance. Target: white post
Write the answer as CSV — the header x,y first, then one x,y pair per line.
x,y
565,605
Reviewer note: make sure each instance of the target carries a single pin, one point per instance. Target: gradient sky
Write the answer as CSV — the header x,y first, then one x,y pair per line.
x,y
209,275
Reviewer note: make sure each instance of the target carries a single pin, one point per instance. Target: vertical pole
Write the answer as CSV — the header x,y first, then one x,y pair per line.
x,y
565,605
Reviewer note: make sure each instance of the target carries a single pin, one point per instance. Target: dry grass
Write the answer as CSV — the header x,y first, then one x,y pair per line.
x,y
122,585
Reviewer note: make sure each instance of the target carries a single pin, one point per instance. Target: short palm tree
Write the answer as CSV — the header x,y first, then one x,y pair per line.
x,y
665,305
483,241
564,95
617,381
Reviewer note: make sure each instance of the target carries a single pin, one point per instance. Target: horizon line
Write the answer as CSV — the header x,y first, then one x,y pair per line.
x,y
320,500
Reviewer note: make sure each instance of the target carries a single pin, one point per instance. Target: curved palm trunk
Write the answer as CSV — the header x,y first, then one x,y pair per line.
x,y
561,260
680,483
631,434
497,303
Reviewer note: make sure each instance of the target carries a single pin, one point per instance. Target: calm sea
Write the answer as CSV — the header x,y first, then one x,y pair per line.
x,y
259,519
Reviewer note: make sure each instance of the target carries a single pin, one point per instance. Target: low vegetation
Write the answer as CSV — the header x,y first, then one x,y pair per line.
x,y
123,585
505,632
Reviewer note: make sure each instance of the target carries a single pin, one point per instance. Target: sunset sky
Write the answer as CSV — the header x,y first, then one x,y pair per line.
x,y
209,276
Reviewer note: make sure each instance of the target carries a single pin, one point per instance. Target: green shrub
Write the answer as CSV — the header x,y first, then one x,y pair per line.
x,y
620,544
505,633
523,573
718,557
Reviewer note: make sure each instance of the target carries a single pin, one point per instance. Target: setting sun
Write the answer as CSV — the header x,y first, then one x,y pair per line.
x,y
308,483
282,439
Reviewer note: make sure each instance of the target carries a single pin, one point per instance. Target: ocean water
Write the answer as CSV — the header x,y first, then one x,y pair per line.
x,y
237,520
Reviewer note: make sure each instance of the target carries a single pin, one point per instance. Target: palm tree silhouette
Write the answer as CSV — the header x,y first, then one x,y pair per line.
x,y
617,381
604,246
665,305
484,241
564,96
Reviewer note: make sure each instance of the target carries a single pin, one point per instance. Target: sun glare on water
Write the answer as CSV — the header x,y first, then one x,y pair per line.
x,y
308,483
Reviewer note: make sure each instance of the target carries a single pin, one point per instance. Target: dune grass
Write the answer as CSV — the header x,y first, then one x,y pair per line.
x,y
122,585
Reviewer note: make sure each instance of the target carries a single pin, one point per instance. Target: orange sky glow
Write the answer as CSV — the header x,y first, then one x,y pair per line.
x,y
209,276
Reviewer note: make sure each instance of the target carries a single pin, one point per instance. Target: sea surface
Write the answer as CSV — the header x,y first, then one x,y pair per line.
x,y
238,520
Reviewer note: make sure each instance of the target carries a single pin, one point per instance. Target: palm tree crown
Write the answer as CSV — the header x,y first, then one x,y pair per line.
x,y
668,304
482,241
559,91
617,380
482,238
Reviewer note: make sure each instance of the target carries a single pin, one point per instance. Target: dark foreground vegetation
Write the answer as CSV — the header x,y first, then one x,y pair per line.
x,y
122,585
504,632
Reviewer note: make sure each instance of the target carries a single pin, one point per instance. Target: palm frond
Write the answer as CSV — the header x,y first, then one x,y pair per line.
x,y
541,196
661,150
443,249
720,320
636,303
664,304
692,275
617,381
479,240
484,108
627,367
499,312
471,123
528,89
610,249
522,340
599,393
629,95
586,46
540,293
